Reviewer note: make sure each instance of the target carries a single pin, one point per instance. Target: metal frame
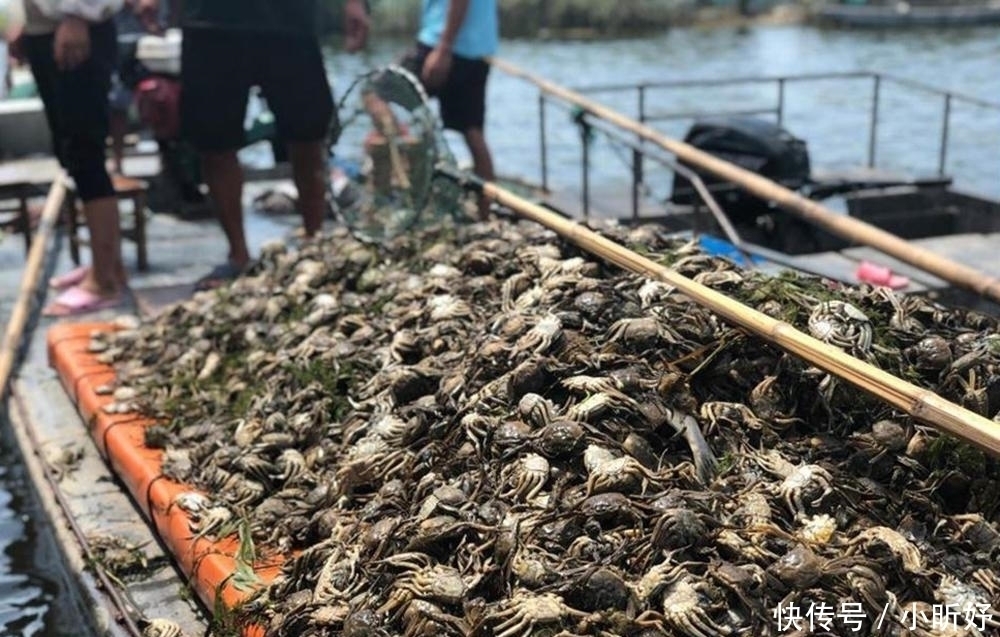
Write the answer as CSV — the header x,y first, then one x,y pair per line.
x,y
780,82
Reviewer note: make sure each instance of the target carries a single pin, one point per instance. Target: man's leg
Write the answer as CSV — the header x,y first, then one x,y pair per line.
x,y
297,90
482,161
215,79
463,108
224,176
309,171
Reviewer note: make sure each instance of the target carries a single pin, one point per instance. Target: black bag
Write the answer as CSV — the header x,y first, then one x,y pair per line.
x,y
756,145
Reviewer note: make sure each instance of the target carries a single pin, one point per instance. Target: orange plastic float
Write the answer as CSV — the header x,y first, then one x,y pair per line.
x,y
208,564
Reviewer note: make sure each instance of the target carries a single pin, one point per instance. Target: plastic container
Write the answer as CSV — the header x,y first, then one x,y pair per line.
x,y
24,131
161,54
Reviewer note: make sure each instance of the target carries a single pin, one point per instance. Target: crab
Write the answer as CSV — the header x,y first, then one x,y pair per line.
x,y
444,307
592,384
540,337
524,611
597,404
536,410
723,279
969,600
424,618
652,291
904,550
678,527
291,464
210,521
799,483
608,472
638,332
160,627
337,580
730,414
393,429
512,288
842,325
684,610
528,475
424,580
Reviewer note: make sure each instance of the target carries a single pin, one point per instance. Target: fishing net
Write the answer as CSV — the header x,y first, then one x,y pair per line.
x,y
389,130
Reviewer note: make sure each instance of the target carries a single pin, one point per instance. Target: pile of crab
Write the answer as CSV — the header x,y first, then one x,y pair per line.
x,y
484,431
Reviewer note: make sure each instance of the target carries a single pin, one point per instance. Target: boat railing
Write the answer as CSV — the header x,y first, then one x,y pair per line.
x,y
646,113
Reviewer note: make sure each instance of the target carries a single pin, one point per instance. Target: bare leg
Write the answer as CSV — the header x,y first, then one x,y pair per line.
x,y
107,273
309,171
482,162
224,177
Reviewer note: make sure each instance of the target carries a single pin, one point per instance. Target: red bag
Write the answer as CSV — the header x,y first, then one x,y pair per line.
x,y
159,102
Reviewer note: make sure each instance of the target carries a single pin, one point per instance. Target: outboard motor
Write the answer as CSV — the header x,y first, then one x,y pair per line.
x,y
756,145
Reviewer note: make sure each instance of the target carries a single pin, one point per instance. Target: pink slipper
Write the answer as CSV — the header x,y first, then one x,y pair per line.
x,y
69,279
869,272
76,300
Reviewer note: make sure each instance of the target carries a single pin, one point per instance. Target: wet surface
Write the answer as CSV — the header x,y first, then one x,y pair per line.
x,y
29,589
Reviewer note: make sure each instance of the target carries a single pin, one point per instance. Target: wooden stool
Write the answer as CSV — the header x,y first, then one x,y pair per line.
x,y
22,179
20,193
125,188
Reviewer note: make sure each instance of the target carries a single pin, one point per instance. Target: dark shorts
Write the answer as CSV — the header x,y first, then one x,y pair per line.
x,y
463,96
76,106
219,66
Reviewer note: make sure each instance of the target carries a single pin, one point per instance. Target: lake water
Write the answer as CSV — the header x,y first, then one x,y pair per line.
x,y
832,117
29,589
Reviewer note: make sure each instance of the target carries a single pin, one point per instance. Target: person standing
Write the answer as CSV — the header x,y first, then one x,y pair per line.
x,y
230,46
455,38
129,28
72,48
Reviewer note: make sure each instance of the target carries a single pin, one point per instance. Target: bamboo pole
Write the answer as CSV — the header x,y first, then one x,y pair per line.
x,y
843,226
29,281
922,404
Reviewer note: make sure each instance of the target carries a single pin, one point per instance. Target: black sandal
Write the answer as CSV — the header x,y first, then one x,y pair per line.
x,y
220,275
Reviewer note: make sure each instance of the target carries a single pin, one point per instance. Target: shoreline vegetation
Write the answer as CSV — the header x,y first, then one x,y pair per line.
x,y
587,19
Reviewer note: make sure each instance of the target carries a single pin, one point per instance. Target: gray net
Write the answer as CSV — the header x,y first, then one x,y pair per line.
x,y
390,128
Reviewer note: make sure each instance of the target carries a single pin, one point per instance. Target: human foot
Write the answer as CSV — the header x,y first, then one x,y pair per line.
x,y
79,300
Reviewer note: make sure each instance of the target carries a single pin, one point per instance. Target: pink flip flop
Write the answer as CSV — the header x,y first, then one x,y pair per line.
x,y
76,300
71,278
875,274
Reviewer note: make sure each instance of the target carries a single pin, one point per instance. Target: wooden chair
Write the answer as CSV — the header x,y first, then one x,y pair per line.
x,y
125,188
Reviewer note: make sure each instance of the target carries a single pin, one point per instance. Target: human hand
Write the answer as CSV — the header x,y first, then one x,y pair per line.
x,y
437,66
148,12
356,25
15,44
72,43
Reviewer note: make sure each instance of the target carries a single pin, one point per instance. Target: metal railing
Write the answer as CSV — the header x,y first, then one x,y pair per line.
x,y
777,109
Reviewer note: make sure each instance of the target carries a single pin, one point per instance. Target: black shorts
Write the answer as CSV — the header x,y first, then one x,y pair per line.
x,y
463,96
76,106
218,67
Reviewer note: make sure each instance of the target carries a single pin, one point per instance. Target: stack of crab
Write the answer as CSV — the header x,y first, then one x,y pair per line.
x,y
483,431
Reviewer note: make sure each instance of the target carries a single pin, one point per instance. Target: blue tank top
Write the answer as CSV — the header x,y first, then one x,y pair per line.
x,y
479,35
